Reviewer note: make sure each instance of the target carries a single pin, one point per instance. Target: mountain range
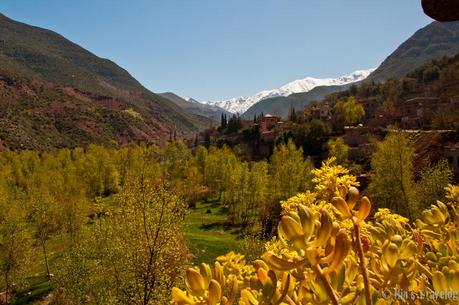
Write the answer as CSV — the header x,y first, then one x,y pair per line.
x,y
436,40
210,111
33,59
242,104
281,105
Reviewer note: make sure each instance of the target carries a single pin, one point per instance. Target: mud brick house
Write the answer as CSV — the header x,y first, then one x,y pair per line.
x,y
370,105
269,127
416,113
412,113
321,112
269,123
358,139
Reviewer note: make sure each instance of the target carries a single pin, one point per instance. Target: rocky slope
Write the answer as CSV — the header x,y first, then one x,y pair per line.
x,y
434,41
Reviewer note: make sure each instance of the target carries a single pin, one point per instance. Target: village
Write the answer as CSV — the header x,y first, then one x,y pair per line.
x,y
258,137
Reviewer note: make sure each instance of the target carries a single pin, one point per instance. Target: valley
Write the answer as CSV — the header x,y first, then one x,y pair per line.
x,y
322,191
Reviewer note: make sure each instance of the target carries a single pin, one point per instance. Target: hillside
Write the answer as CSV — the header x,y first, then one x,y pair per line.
x,y
40,115
206,110
32,53
425,98
436,40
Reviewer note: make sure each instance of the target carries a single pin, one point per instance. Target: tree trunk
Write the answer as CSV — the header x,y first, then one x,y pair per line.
x,y
45,254
7,283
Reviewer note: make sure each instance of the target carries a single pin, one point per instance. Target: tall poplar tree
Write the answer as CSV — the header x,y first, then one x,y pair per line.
x,y
392,183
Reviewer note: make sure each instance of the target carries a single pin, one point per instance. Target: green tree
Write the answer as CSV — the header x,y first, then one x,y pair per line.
x,y
236,191
200,157
432,183
132,256
174,159
234,124
218,170
349,111
14,246
192,185
289,172
224,121
44,219
310,136
340,150
392,183
292,114
97,167
258,187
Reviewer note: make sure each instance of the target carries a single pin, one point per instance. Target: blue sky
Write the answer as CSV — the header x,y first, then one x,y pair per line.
x,y
217,49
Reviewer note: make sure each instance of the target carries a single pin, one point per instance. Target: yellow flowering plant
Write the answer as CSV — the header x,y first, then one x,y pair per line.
x,y
330,249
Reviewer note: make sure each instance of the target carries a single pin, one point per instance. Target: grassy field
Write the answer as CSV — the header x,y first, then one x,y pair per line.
x,y
208,233
39,286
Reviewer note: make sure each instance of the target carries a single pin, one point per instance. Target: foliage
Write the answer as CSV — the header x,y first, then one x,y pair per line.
x,y
340,150
14,247
349,111
234,124
132,256
289,171
319,258
252,190
94,215
392,183
310,136
432,183
89,202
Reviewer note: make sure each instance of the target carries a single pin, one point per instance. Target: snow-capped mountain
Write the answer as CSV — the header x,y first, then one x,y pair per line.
x,y
190,104
241,104
210,106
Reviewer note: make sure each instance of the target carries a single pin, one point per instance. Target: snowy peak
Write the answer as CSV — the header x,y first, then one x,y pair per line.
x,y
241,104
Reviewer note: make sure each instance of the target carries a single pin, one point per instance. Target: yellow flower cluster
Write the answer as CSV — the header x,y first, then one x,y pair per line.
x,y
308,198
385,214
452,192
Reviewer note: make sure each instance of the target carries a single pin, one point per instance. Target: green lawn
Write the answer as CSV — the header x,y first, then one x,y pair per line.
x,y
208,233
